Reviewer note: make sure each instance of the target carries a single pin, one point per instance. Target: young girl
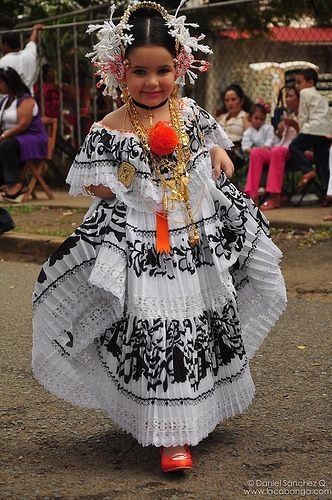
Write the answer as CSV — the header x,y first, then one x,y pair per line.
x,y
152,308
259,134
275,158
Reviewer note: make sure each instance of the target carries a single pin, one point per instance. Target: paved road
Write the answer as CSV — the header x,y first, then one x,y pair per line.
x,y
50,449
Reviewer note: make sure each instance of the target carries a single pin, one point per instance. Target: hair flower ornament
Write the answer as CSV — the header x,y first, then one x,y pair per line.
x,y
108,54
186,45
265,105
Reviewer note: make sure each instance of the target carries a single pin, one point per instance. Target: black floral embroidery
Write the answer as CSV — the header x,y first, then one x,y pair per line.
x,y
118,222
64,249
70,342
164,351
92,228
242,203
42,276
143,258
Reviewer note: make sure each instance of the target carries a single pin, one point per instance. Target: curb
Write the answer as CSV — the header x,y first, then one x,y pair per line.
x,y
37,248
30,247
280,224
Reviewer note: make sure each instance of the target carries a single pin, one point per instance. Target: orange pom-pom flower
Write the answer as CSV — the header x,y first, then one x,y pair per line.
x,y
162,139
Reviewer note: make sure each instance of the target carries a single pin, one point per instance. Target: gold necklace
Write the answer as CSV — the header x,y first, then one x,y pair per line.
x,y
149,116
176,186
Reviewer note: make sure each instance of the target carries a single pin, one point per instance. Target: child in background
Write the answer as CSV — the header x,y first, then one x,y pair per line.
x,y
315,126
274,158
259,134
153,307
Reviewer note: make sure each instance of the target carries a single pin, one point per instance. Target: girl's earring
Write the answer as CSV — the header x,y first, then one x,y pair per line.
x,y
175,91
125,94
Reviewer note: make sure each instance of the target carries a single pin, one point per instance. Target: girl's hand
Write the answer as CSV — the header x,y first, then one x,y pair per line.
x,y
101,191
221,162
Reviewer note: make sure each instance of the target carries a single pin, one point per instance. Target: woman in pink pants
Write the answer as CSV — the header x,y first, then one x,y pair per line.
x,y
275,158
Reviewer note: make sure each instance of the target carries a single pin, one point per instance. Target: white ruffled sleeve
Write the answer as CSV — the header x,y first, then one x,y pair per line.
x,y
97,162
214,134
103,159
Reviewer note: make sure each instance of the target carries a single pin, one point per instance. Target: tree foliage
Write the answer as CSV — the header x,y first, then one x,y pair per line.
x,y
256,15
250,15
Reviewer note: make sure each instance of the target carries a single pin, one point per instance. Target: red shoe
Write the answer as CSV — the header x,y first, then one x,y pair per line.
x,y
270,204
178,461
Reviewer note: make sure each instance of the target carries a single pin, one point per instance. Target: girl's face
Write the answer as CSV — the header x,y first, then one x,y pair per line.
x,y
50,75
3,87
257,119
233,103
150,77
302,83
292,100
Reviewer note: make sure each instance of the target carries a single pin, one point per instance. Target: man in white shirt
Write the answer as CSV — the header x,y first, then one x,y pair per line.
x,y
315,126
23,61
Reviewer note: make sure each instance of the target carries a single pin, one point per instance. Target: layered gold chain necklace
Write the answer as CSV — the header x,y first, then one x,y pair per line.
x,y
175,185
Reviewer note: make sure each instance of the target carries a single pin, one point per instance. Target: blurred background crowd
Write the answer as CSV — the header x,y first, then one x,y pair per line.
x,y
264,61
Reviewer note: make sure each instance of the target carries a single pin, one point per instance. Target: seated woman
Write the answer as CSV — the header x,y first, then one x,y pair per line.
x,y
275,158
23,134
234,119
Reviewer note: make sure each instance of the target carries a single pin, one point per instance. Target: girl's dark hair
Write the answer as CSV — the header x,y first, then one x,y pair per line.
x,y
246,101
149,28
45,68
309,74
258,107
293,88
14,82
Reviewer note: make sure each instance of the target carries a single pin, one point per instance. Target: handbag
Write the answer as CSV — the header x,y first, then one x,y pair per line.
x,y
279,109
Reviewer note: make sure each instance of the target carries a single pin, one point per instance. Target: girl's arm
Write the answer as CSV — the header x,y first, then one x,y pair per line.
x,y
221,162
247,143
24,118
270,137
101,191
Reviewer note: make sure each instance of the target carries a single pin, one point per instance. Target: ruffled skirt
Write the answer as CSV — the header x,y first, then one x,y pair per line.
x,y
159,342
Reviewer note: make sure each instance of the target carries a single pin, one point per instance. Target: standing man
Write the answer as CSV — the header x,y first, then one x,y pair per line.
x,y
23,61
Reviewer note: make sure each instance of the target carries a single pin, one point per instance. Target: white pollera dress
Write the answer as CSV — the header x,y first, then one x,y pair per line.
x,y
161,343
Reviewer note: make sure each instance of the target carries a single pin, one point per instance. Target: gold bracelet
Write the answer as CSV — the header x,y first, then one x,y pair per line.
x,y
87,190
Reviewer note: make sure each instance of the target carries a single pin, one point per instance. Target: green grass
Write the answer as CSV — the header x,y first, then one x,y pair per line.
x,y
29,209
304,238
23,209
53,232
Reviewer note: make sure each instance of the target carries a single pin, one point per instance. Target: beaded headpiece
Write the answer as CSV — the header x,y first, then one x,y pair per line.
x,y
108,55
